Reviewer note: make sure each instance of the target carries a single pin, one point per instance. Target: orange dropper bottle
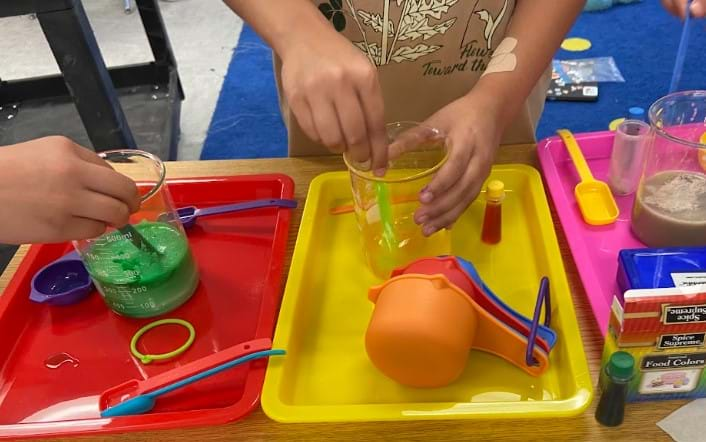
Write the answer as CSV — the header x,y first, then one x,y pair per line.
x,y
492,221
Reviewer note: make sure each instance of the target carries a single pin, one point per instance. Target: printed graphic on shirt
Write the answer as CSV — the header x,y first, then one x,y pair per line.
x,y
419,21
402,31
491,23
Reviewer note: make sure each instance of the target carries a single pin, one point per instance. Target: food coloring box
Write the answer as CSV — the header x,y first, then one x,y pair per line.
x,y
659,316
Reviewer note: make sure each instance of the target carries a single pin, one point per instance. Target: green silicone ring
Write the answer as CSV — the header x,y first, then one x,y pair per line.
x,y
146,359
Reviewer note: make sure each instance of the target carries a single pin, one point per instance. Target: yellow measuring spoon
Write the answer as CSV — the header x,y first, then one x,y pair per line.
x,y
595,200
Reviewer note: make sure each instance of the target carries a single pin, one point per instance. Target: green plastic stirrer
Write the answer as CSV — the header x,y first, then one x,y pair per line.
x,y
385,206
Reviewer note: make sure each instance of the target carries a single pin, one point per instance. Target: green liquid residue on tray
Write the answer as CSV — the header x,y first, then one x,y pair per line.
x,y
138,283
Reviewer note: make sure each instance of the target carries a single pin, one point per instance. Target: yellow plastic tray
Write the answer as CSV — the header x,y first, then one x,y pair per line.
x,y
326,375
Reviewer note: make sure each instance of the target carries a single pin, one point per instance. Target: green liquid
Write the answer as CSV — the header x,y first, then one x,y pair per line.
x,y
140,284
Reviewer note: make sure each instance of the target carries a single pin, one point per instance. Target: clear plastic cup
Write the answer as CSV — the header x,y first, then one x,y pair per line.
x,y
146,268
628,156
670,204
385,206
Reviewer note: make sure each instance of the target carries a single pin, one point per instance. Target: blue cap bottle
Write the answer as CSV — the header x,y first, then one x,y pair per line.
x,y
636,113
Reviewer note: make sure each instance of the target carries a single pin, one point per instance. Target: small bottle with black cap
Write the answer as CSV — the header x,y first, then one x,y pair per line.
x,y
618,373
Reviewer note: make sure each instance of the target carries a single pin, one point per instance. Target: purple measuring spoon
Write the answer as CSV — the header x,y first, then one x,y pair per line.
x,y
542,298
187,215
61,282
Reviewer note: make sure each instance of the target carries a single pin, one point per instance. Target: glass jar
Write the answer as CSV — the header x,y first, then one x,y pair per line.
x,y
385,206
145,268
670,204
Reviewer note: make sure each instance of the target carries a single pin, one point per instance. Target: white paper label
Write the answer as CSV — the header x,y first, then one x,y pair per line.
x,y
590,91
688,279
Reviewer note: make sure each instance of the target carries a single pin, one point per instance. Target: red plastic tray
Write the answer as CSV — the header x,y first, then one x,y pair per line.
x,y
240,258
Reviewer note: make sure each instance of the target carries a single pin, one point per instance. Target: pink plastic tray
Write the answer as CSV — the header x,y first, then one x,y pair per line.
x,y
594,248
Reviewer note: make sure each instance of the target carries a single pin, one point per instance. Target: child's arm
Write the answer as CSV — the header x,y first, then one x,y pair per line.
x,y
53,190
475,123
678,7
330,86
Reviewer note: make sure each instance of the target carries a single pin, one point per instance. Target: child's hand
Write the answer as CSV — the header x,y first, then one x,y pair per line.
x,y
473,135
678,8
53,190
333,90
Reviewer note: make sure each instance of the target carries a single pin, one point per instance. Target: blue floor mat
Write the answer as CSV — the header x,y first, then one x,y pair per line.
x,y
641,37
247,122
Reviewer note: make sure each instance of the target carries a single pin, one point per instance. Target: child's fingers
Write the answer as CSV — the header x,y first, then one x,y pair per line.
x,y
448,218
444,211
680,7
326,123
112,184
410,140
89,156
698,8
444,221
450,173
404,142
83,228
670,6
675,7
430,213
303,113
102,208
370,97
100,177
350,115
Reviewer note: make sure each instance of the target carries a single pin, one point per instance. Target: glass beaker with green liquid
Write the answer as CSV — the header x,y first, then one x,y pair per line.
x,y
385,206
144,269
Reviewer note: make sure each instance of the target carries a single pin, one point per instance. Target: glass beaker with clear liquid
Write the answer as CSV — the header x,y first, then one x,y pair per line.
x,y
670,204
144,269
385,206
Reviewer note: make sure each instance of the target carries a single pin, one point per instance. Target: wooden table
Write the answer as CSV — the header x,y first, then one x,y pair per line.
x,y
640,421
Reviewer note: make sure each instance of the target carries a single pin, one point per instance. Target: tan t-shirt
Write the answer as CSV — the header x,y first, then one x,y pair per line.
x,y
435,52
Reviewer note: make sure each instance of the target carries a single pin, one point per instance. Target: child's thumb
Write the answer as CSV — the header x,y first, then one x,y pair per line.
x,y
698,8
